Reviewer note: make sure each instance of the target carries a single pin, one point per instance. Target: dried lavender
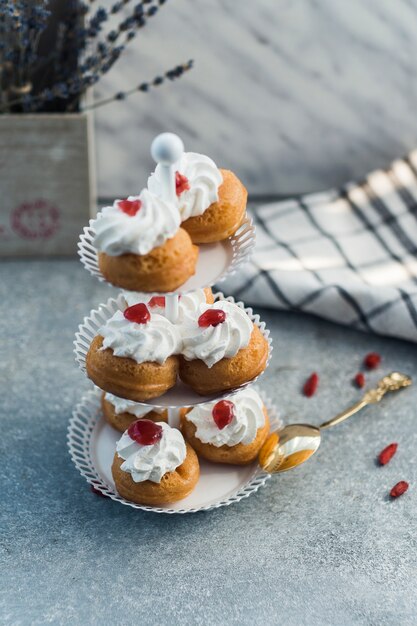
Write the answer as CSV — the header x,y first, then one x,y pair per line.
x,y
171,75
88,44
22,23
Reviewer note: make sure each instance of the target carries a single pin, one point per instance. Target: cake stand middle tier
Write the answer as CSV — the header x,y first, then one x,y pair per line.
x,y
180,395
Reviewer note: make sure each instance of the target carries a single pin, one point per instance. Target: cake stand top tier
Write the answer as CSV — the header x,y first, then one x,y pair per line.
x,y
216,261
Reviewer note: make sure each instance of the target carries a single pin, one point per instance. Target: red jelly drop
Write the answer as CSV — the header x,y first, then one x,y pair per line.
x,y
146,432
130,207
181,183
157,301
223,413
211,317
138,313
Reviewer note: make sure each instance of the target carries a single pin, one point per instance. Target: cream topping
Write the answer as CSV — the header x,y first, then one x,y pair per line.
x,y
118,233
188,303
121,405
152,462
204,178
154,341
248,418
214,343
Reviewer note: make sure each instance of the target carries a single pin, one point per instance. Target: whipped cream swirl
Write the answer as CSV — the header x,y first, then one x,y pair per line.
x,y
152,462
214,343
118,233
204,178
121,405
154,341
243,428
188,303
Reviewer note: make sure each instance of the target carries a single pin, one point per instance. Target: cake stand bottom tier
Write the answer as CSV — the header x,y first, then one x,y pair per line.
x,y
92,444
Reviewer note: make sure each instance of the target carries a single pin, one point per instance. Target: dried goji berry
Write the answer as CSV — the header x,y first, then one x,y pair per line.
x,y
359,380
311,384
399,489
372,360
97,492
387,453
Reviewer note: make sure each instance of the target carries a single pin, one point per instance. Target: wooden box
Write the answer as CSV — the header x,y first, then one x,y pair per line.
x,y
47,182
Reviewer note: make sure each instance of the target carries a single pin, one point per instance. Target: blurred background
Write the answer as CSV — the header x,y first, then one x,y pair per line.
x,y
295,96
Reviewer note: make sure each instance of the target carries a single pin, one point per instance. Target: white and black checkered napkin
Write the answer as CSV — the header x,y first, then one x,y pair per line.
x,y
347,255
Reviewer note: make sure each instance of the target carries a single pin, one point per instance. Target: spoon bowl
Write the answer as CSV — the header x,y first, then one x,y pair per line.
x,y
289,447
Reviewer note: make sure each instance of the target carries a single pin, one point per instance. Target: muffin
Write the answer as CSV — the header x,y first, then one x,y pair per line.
x,y
141,246
229,431
121,413
211,201
134,354
153,464
221,349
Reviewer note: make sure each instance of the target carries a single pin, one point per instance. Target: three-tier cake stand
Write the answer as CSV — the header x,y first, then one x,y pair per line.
x,y
91,440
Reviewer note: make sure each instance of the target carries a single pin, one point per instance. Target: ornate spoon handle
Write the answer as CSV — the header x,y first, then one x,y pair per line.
x,y
392,382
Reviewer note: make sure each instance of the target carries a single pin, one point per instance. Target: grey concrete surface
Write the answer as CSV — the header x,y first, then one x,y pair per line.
x,y
321,545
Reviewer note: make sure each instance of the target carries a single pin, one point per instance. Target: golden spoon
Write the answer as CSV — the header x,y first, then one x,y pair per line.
x,y
296,443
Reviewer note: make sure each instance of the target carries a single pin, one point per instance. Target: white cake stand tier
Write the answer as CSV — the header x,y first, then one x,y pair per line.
x,y
216,261
92,442
178,396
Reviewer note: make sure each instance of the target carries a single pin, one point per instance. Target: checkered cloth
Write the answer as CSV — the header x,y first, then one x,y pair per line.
x,y
347,255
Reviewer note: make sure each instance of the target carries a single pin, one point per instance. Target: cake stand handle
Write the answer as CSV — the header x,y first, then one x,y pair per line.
x,y
171,310
166,150
171,307
174,417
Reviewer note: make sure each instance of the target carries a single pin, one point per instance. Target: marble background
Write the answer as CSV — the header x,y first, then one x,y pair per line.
x,y
294,95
